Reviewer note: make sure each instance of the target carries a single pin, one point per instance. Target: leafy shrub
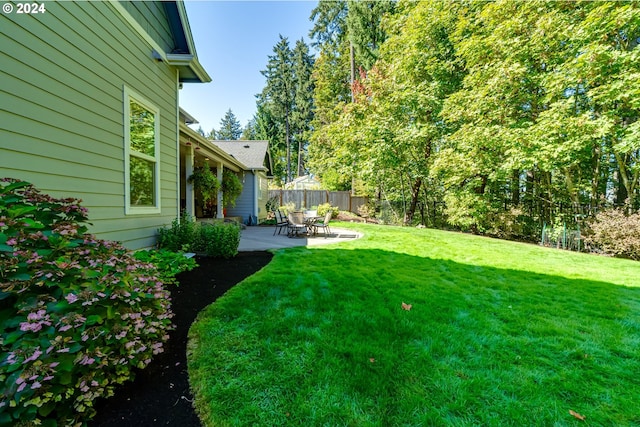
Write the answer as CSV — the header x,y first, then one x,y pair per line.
x,y
180,236
326,207
231,188
76,314
220,239
272,204
615,233
168,263
287,208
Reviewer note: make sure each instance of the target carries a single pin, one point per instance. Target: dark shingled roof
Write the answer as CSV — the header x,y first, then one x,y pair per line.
x,y
249,153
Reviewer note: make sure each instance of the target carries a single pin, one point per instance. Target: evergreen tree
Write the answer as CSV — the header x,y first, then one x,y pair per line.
x,y
230,128
303,100
279,93
365,30
250,131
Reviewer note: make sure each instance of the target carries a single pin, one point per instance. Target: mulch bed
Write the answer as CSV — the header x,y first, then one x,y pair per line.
x,y
160,394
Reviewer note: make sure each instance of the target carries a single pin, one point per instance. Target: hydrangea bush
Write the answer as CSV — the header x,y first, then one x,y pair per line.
x,y
77,314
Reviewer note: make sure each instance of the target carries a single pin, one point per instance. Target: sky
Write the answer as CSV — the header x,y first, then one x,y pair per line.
x,y
233,40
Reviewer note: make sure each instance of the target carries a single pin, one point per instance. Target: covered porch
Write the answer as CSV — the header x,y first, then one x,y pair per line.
x,y
196,151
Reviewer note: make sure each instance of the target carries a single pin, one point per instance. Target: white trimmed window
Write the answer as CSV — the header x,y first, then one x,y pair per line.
x,y
142,155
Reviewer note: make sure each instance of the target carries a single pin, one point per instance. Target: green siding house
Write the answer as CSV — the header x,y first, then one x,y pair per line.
x,y
89,108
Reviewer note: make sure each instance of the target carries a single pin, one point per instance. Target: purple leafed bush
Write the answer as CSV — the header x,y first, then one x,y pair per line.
x,y
77,314
614,233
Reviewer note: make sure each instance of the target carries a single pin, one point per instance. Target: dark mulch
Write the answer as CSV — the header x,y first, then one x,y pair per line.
x,y
160,393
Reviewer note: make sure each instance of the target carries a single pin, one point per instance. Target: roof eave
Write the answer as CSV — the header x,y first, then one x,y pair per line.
x,y
191,70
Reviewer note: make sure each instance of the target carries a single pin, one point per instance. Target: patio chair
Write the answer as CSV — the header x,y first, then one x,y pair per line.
x,y
281,222
296,224
324,225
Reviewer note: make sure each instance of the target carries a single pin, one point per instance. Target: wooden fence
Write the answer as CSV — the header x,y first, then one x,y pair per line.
x,y
310,198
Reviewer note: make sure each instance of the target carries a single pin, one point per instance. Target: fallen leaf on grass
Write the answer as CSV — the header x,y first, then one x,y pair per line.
x,y
406,306
577,415
372,360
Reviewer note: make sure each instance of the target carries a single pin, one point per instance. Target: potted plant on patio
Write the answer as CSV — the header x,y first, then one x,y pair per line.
x,y
204,181
231,188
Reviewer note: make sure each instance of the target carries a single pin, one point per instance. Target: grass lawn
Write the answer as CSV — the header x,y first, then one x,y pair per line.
x,y
498,334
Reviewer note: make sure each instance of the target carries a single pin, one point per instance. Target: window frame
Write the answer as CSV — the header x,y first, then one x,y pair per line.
x,y
129,96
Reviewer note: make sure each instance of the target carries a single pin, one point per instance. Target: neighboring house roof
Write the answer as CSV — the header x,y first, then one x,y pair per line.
x,y
304,182
249,153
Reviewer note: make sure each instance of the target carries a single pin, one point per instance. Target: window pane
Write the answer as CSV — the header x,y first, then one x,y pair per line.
x,y
142,129
142,182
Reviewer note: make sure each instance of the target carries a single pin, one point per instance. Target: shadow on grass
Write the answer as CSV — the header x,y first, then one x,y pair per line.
x,y
320,337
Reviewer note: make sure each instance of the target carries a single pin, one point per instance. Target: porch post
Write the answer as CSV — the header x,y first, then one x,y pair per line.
x,y
190,207
220,213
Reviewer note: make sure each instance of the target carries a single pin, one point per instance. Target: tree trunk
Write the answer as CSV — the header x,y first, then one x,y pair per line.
x,y
595,180
352,56
300,165
415,194
286,127
515,187
629,182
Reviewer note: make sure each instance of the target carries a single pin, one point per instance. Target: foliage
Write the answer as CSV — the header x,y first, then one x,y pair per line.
x,y
180,236
77,314
367,210
230,128
285,107
272,203
487,106
231,188
335,345
220,239
615,233
168,263
206,182
287,208
326,207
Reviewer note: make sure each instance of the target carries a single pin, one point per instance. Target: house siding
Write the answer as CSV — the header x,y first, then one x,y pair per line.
x,y
152,16
244,202
61,110
263,195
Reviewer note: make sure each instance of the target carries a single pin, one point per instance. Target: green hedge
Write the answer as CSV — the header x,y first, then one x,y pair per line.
x,y
220,239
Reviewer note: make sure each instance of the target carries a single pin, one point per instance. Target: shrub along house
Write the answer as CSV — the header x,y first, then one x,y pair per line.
x,y
89,108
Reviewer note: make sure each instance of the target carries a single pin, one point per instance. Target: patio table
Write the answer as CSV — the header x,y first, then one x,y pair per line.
x,y
310,221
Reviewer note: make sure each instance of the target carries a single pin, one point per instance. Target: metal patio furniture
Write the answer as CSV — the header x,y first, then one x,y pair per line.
x,y
296,225
324,225
281,222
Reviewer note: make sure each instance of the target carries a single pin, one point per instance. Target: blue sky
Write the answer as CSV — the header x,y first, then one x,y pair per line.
x,y
233,40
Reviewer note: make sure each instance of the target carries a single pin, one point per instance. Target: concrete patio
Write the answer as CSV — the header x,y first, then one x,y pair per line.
x,y
261,238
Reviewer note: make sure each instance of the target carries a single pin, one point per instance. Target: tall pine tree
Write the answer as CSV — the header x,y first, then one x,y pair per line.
x,y
279,94
230,128
303,100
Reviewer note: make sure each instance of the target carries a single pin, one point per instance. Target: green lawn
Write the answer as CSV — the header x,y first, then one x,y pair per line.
x,y
499,334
